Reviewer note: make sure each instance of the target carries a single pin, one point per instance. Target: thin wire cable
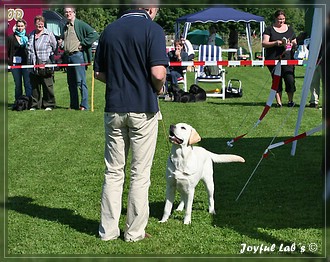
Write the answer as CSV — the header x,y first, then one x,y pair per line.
x,y
255,169
248,112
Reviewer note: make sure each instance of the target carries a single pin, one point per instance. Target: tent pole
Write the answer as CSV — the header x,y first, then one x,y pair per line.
x,y
262,29
186,29
314,49
248,35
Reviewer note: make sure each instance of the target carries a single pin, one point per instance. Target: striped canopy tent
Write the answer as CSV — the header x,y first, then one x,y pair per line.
x,y
221,14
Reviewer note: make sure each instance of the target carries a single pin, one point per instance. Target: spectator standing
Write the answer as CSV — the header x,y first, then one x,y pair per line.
x,y
315,87
78,40
279,39
131,59
213,70
175,72
212,35
17,55
41,46
232,41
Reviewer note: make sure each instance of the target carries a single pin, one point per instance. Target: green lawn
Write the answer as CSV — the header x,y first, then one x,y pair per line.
x,y
55,174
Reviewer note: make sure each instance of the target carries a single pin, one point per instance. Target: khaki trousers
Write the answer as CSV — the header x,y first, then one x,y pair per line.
x,y
315,85
124,131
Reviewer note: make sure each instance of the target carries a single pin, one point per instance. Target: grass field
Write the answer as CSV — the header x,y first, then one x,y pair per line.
x,y
55,173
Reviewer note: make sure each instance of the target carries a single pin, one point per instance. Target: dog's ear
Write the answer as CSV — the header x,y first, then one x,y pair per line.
x,y
194,137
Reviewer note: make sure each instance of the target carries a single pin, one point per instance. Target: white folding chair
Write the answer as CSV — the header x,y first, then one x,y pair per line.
x,y
183,80
211,53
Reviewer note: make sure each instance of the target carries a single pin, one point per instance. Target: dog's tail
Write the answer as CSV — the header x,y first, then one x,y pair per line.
x,y
226,158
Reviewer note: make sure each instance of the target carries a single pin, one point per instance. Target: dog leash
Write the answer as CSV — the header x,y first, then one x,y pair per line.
x,y
163,125
262,157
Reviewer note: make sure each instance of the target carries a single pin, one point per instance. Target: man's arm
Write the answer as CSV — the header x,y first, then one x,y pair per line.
x,y
158,77
90,35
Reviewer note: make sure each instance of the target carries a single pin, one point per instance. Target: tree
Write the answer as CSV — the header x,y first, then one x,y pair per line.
x,y
99,18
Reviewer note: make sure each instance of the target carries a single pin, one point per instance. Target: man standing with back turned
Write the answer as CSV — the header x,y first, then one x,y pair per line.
x,y
131,59
78,40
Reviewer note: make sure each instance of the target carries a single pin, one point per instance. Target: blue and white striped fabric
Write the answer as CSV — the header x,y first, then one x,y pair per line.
x,y
211,53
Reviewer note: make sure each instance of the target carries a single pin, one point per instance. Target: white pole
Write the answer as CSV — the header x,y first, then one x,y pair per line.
x,y
248,38
314,49
262,29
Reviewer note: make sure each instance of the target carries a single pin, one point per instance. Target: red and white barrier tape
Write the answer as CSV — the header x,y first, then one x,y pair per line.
x,y
192,63
239,63
302,135
47,65
275,83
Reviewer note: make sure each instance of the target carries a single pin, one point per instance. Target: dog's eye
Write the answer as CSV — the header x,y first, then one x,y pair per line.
x,y
183,128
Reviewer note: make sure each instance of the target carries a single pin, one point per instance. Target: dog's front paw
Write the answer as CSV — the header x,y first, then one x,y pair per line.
x,y
180,207
212,211
187,221
164,219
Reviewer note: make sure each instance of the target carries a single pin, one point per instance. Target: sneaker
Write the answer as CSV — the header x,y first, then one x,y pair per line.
x,y
291,104
48,109
278,105
146,235
32,109
168,98
82,108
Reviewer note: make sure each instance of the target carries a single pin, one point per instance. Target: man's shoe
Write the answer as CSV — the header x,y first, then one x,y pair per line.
x,y
291,104
48,109
82,108
313,105
147,235
168,98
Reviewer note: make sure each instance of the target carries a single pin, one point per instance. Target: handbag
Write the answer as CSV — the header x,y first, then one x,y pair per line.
x,y
42,71
302,52
211,70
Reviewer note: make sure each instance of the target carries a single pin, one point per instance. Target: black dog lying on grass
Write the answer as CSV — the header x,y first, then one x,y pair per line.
x,y
195,94
22,103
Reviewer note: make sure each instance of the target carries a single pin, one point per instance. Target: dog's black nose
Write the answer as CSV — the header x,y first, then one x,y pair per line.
x,y
172,127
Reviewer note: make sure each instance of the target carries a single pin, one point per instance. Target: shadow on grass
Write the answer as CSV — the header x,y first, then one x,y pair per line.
x,y
283,198
25,205
283,195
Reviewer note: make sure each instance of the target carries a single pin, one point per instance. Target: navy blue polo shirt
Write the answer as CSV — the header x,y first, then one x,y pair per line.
x,y
127,50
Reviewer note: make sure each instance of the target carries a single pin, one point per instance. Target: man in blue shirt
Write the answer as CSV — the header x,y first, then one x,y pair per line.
x,y
131,60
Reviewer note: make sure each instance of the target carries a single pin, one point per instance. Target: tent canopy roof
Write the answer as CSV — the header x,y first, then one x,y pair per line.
x,y
219,14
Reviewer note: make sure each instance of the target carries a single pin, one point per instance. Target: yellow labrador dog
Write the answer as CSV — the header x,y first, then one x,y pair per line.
x,y
186,166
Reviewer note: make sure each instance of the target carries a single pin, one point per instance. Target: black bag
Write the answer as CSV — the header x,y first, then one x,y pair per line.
x,y
211,70
234,88
43,71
